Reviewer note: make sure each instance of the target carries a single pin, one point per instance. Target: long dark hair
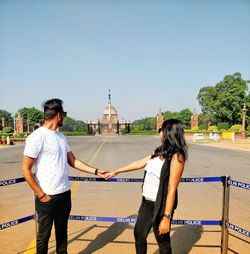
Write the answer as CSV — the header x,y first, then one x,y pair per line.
x,y
173,140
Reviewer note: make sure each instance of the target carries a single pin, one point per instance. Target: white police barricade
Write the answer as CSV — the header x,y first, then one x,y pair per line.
x,y
224,223
214,136
198,136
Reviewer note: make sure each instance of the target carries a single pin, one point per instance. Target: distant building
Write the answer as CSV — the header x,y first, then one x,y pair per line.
x,y
110,123
194,120
159,120
19,123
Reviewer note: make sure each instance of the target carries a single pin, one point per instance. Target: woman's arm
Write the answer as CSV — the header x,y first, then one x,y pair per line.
x,y
130,167
176,170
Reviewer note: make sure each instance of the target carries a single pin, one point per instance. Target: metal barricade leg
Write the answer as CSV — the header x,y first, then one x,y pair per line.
x,y
225,215
36,219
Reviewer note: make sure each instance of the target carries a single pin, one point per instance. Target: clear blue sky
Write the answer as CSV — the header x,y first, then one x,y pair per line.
x,y
151,54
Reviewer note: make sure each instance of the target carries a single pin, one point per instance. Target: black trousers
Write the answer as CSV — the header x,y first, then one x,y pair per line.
x,y
143,226
55,211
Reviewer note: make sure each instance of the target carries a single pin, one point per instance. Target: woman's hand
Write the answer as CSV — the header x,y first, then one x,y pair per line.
x,y
164,226
110,174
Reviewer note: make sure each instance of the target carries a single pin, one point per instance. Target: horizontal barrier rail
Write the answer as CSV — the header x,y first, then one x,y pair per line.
x,y
12,181
197,222
15,222
131,180
117,220
242,185
238,229
133,220
98,179
202,179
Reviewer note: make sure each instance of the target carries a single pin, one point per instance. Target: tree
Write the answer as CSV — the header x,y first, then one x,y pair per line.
x,y
70,125
169,115
32,115
206,120
36,116
225,100
149,123
185,117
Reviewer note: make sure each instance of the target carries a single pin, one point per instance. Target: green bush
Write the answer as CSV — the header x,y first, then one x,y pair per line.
x,y
202,126
223,126
74,133
149,132
20,135
236,128
7,130
212,128
196,129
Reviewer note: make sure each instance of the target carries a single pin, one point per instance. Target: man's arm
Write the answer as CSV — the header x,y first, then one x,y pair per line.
x,y
27,165
79,165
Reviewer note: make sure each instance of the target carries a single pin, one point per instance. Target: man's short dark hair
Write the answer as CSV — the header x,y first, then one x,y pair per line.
x,y
52,107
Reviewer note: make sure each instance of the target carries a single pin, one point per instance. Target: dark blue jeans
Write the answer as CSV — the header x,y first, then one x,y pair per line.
x,y
143,226
55,211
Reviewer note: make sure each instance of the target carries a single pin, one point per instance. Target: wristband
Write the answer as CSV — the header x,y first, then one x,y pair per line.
x,y
96,170
43,196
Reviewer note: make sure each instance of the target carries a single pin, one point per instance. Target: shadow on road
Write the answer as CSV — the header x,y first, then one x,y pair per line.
x,y
184,238
107,236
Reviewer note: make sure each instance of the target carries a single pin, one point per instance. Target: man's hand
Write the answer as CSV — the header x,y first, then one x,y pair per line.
x,y
102,173
45,199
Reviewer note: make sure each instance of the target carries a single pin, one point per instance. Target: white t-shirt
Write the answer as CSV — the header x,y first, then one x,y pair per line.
x,y
152,178
50,149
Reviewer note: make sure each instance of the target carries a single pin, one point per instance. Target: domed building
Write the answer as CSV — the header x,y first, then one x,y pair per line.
x,y
110,115
110,124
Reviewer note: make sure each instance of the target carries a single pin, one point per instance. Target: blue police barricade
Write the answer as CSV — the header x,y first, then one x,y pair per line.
x,y
224,223
245,186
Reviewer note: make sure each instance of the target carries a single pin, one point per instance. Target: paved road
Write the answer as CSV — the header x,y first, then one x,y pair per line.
x,y
196,201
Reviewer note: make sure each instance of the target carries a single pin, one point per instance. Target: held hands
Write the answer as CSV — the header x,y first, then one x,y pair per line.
x,y
106,174
164,226
110,174
102,173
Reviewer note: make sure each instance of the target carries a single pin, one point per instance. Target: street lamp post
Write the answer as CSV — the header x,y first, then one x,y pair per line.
x,y
14,124
244,111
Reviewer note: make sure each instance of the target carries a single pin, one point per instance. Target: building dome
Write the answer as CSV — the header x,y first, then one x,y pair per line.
x,y
109,124
110,109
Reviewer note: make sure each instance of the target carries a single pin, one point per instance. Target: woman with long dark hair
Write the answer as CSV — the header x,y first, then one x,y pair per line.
x,y
163,171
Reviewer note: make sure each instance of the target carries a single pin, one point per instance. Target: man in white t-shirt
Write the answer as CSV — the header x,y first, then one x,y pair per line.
x,y
48,151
